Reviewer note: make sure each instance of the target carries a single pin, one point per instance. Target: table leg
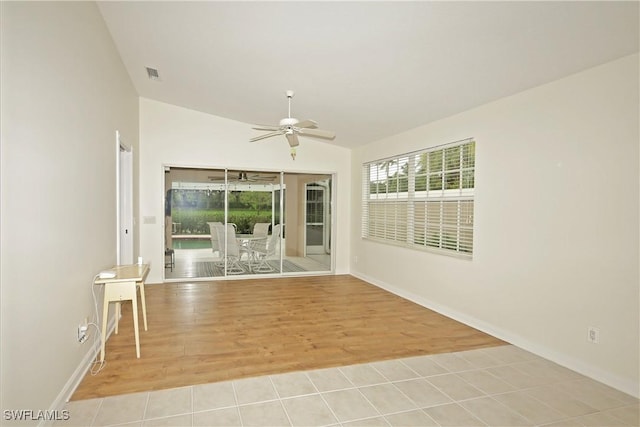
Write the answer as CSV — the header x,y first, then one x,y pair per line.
x,y
118,311
134,303
144,305
105,319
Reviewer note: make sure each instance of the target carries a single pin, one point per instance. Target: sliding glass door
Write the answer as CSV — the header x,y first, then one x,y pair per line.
x,y
222,223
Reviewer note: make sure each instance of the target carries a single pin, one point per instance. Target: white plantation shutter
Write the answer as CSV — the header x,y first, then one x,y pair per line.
x,y
422,199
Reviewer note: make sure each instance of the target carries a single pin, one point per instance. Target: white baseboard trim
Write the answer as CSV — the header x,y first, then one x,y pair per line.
x,y
78,375
624,385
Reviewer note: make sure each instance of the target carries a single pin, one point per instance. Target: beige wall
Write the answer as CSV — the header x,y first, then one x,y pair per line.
x,y
64,94
175,136
292,216
556,223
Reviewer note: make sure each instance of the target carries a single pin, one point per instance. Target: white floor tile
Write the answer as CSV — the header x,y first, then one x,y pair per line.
x,y
455,387
361,375
310,410
487,387
394,370
226,417
121,409
213,396
254,390
293,384
164,403
422,393
417,418
453,414
387,398
329,379
349,405
265,414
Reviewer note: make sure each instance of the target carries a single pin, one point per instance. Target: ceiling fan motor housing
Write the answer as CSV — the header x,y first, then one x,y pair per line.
x,y
289,121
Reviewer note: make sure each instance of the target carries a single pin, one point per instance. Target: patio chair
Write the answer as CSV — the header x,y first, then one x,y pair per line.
x,y
233,250
264,250
215,246
261,229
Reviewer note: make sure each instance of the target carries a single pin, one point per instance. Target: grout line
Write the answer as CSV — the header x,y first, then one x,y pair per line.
x,y
235,398
146,406
350,385
192,404
280,400
95,414
335,417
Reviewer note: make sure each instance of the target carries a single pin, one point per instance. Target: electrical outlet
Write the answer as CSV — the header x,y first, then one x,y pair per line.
x,y
593,335
82,331
356,259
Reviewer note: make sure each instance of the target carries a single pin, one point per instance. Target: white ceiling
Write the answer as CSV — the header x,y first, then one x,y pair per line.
x,y
366,70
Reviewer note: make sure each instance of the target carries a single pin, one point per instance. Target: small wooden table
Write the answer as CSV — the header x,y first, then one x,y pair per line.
x,y
123,287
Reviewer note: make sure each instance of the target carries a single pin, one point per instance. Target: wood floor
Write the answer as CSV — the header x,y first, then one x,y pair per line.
x,y
213,331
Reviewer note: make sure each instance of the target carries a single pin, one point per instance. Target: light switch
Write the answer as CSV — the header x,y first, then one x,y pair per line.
x,y
148,219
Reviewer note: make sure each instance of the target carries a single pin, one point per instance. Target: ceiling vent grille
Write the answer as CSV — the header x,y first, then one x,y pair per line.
x,y
153,73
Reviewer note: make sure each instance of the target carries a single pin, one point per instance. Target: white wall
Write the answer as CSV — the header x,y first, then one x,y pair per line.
x,y
64,93
176,136
556,223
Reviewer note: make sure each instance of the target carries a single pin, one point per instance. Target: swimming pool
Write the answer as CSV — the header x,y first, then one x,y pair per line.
x,y
191,243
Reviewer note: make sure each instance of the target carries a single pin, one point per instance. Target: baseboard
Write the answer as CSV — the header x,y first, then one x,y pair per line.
x,y
624,385
76,378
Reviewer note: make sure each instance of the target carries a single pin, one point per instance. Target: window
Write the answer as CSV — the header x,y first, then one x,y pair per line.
x,y
422,199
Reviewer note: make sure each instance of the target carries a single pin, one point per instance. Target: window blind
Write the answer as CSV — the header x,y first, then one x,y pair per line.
x,y
422,199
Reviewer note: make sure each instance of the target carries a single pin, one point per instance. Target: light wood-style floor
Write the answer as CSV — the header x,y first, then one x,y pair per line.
x,y
214,331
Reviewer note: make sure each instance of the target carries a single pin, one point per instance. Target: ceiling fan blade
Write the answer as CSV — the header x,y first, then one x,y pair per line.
x,y
308,124
317,133
266,127
293,139
266,135
261,178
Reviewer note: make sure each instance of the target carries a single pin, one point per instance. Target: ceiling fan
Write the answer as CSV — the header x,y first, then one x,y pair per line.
x,y
291,127
242,176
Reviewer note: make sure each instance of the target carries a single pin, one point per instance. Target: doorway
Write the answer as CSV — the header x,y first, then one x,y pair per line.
x,y
124,202
318,219
197,199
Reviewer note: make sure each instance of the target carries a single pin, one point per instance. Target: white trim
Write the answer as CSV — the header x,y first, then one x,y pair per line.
x,y
622,384
80,372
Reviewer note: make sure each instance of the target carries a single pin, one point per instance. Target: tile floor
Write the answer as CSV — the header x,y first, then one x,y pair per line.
x,y
499,386
186,259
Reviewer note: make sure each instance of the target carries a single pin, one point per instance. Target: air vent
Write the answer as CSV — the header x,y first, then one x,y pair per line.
x,y
153,73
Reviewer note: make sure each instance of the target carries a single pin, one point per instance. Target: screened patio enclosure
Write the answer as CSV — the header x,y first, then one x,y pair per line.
x,y
211,215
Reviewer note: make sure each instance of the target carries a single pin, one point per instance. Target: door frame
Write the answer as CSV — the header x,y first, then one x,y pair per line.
x,y
326,216
124,202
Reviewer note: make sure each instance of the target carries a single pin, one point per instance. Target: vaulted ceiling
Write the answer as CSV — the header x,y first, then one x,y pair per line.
x,y
366,70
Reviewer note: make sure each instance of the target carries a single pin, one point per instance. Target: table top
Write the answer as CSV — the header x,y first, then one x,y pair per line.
x,y
126,273
249,237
